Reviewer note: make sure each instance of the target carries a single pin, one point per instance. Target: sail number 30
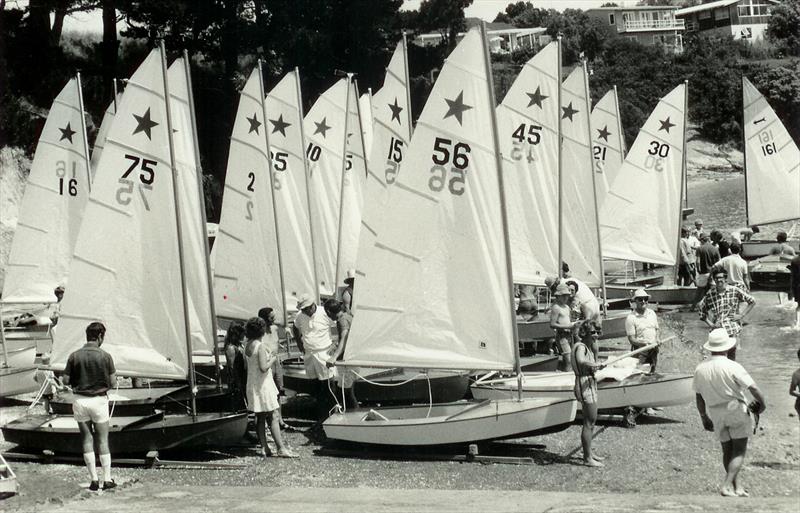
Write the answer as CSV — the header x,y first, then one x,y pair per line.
x,y
443,156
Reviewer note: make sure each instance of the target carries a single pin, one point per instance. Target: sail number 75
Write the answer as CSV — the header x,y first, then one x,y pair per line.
x,y
146,176
442,156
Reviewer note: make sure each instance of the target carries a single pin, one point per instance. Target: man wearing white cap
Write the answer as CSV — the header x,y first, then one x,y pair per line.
x,y
347,294
312,332
719,385
641,326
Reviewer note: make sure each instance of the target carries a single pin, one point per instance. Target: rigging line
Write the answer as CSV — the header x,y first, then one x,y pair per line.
x,y
249,145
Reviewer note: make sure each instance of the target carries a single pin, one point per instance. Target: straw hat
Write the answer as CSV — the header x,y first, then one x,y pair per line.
x,y
550,280
719,341
641,293
305,301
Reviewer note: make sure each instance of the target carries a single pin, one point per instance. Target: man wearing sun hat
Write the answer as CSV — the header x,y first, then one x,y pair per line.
x,y
719,385
641,326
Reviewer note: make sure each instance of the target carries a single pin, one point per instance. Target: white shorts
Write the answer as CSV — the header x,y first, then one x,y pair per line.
x,y
94,408
732,424
316,365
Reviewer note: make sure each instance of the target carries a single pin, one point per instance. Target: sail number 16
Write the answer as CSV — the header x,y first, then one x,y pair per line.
x,y
441,157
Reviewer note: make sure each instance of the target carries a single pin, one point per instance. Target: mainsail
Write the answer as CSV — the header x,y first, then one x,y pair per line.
x,y
608,142
772,162
52,207
640,215
105,125
289,184
246,270
579,228
528,125
126,267
437,294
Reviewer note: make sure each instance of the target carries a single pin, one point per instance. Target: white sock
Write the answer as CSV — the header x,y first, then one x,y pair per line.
x,y
88,458
105,462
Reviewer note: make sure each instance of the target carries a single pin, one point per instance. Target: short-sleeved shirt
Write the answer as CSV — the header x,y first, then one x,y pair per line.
x,y
736,268
721,381
707,255
725,306
583,294
687,251
315,330
643,327
89,370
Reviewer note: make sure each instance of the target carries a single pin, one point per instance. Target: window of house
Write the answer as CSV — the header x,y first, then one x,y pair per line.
x,y
704,15
746,33
722,14
611,19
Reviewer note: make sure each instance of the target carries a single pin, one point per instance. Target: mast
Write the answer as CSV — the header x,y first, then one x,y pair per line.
x,y
85,139
622,147
307,172
744,147
503,216
184,292
560,164
203,219
408,86
683,176
361,132
594,184
341,190
272,191
3,342
114,82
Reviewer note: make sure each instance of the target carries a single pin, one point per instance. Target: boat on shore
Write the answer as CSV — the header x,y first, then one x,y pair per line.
x,y
770,272
539,329
661,294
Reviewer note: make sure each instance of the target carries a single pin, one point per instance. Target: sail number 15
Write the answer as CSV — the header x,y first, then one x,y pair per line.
x,y
445,153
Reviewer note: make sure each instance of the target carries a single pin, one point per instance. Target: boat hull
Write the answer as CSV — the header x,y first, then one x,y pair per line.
x,y
613,326
452,423
129,435
641,390
639,281
17,380
662,294
770,272
144,401
759,248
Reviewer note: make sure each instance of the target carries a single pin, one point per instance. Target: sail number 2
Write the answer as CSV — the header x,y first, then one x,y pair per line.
x,y
441,157
71,183
146,176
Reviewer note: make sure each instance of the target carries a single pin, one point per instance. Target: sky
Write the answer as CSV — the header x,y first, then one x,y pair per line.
x,y
488,9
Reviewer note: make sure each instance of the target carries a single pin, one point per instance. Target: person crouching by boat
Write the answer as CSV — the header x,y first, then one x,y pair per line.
x,y
641,326
267,315
91,373
344,376
719,386
262,394
235,366
312,332
721,304
562,325
349,290
584,366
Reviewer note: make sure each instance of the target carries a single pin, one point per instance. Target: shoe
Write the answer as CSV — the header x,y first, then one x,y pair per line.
x,y
287,454
94,486
108,485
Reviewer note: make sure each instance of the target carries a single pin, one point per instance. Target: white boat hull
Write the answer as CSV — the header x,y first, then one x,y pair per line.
x,y
641,390
451,423
17,380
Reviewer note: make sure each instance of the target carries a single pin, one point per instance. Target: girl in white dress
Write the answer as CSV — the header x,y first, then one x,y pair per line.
x,y
262,394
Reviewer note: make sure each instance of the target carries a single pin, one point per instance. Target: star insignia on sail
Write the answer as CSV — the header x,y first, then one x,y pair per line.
x,y
568,112
536,97
665,124
322,127
604,133
254,124
67,132
144,124
396,110
456,107
279,125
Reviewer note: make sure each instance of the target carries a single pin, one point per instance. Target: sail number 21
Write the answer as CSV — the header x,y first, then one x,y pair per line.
x,y
441,157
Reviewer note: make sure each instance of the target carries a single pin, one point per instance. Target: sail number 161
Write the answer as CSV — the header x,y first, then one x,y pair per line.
x,y
445,152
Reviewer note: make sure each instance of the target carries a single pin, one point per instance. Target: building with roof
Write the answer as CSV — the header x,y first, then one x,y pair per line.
x,y
648,25
742,19
503,37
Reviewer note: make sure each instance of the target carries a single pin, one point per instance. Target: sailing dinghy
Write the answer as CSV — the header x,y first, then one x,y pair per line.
x,y
130,270
439,293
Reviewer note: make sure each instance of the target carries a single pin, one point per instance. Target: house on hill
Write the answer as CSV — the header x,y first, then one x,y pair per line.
x,y
742,19
648,25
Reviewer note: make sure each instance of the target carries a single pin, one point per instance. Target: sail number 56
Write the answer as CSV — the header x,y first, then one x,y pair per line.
x,y
442,156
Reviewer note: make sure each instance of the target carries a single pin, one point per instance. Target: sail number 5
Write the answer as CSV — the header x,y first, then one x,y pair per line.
x,y
146,176
441,157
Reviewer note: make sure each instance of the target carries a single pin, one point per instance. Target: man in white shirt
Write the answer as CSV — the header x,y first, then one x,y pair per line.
x,y
641,326
719,385
311,329
736,268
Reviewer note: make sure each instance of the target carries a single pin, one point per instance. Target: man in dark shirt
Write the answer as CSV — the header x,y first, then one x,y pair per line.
x,y
707,256
91,373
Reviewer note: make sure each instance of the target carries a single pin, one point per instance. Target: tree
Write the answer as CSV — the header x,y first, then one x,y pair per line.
x,y
610,4
444,16
579,34
783,27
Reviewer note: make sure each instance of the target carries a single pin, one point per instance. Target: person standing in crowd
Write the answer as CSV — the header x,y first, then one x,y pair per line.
x,y
586,300
736,267
641,326
344,376
267,315
686,265
784,248
562,325
794,287
91,373
719,384
707,256
722,303
312,333
347,294
794,388
698,228
723,246
262,395
235,366
584,366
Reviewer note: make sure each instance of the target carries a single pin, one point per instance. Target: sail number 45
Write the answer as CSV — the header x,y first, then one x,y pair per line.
x,y
443,156
146,176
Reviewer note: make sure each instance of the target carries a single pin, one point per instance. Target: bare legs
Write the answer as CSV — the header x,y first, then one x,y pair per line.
x,y
90,432
274,420
733,452
589,412
261,431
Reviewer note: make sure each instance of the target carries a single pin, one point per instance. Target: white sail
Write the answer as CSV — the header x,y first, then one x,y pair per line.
x,y
126,268
437,295
246,271
365,112
579,229
527,121
193,229
390,137
608,143
639,217
772,162
52,207
289,183
324,129
105,125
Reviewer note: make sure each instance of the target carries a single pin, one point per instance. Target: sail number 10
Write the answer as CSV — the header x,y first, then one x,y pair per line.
x,y
443,156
